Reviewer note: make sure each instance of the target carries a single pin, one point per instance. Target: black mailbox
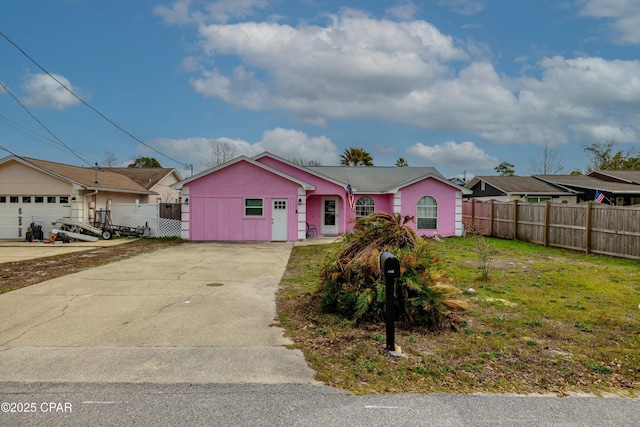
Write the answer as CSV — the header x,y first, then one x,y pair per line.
x,y
389,265
390,268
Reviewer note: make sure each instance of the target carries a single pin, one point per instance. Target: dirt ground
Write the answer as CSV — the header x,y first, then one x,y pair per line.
x,y
16,275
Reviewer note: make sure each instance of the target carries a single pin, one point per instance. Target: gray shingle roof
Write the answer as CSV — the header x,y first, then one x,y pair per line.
x,y
377,179
107,179
146,177
591,183
519,185
629,176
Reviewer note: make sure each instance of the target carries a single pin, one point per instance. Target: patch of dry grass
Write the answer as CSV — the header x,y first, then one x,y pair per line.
x,y
546,321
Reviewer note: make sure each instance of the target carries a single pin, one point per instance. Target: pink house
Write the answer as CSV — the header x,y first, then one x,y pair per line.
x,y
268,198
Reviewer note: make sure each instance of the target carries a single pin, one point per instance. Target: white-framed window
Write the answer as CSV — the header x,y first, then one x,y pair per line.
x,y
253,207
364,206
538,199
427,213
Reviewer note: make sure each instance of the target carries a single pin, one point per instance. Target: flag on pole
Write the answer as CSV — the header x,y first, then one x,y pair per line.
x,y
599,197
351,198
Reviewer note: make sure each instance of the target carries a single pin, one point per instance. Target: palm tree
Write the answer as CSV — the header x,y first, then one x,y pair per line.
x,y
401,162
356,157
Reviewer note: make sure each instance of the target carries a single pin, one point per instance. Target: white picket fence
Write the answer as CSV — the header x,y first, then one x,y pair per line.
x,y
144,215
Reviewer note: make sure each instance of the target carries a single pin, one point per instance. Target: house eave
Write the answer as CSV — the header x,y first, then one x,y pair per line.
x,y
303,184
398,187
118,190
302,168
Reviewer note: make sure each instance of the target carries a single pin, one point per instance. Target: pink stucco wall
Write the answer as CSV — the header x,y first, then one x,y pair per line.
x,y
314,198
381,202
216,210
445,196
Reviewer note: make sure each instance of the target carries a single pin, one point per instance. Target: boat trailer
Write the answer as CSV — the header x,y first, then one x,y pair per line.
x,y
66,231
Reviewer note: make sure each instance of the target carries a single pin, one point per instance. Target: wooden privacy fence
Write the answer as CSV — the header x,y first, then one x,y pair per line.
x,y
588,227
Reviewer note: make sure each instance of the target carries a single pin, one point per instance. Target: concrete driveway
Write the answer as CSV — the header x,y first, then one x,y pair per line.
x,y
196,313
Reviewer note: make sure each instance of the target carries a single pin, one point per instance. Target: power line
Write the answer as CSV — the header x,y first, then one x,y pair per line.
x,y
31,134
8,151
85,102
15,98
23,129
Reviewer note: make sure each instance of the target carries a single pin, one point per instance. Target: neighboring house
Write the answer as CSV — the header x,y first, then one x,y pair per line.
x,y
523,188
619,193
39,191
458,181
626,177
157,180
267,198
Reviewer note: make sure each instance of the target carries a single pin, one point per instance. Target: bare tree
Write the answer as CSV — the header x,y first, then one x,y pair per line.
x,y
221,152
546,162
110,159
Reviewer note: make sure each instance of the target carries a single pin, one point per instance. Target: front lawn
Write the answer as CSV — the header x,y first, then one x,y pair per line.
x,y
545,321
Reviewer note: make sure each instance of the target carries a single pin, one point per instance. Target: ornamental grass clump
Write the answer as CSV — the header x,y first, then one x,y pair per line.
x,y
353,286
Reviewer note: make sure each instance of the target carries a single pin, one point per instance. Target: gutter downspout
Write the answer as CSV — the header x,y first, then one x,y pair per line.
x,y
90,213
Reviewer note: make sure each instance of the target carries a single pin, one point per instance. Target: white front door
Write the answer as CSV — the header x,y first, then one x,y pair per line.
x,y
279,218
329,223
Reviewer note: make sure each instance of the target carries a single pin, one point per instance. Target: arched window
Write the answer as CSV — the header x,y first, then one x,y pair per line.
x,y
427,213
364,206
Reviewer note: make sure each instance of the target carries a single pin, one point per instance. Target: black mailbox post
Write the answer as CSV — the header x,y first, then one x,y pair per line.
x,y
390,267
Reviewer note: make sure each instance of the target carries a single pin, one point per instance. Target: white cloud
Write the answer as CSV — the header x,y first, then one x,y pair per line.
x,y
293,144
404,11
177,13
224,10
623,15
357,66
606,132
287,143
44,92
221,11
594,82
464,7
464,155
350,68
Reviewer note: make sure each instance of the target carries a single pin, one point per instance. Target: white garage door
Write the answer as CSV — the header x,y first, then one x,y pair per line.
x,y
18,212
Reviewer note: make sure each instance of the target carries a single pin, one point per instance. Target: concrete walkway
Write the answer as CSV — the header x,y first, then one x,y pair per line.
x,y
196,313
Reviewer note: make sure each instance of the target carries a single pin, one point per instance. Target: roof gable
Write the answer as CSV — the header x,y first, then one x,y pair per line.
x,y
591,183
519,185
370,179
629,177
238,159
146,177
83,177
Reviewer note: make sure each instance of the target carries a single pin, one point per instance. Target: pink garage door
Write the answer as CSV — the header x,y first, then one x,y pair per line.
x,y
223,218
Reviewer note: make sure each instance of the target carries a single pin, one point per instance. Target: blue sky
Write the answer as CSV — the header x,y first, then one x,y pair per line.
x,y
461,85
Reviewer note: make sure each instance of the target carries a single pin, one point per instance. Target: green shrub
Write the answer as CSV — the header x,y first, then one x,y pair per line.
x,y
352,283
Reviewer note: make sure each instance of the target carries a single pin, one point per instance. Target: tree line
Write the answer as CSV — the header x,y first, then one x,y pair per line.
x,y
604,156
